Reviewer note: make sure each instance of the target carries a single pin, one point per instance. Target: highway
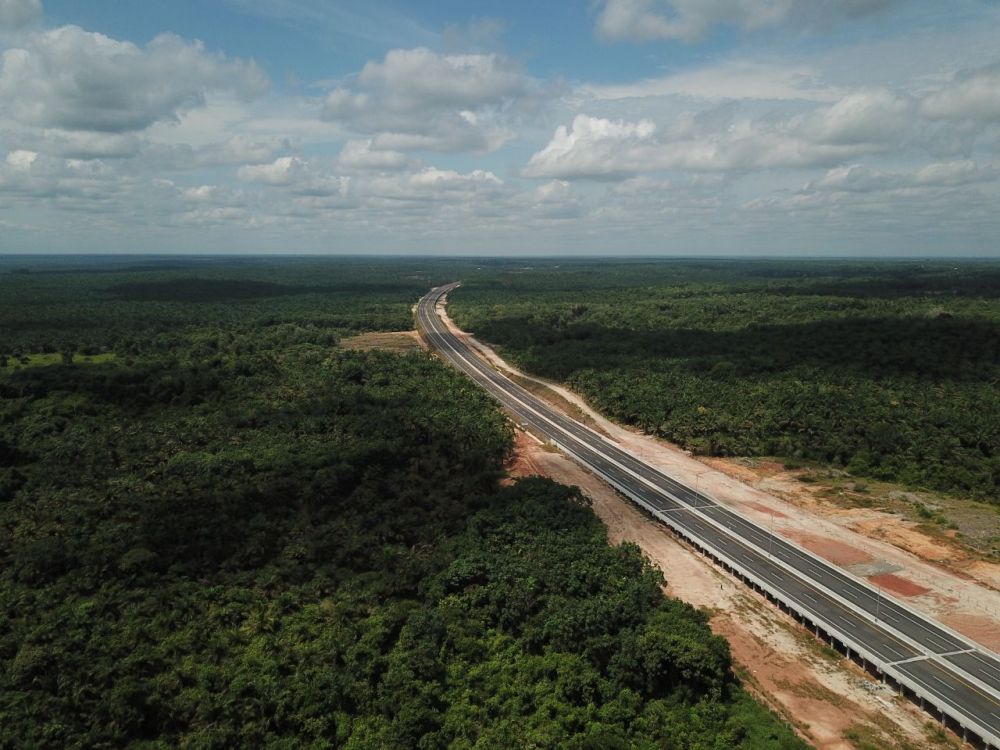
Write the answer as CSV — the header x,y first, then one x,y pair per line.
x,y
939,668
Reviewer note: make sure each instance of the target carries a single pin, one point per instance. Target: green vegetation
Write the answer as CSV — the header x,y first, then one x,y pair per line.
x,y
887,369
229,532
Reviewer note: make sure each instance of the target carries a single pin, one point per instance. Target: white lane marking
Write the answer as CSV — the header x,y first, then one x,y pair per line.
x,y
887,647
942,682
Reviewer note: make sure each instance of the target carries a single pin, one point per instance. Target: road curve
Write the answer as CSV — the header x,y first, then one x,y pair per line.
x,y
941,669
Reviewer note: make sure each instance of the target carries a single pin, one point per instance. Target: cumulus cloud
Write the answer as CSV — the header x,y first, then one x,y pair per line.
x,y
71,184
300,176
691,20
76,80
416,77
359,154
971,95
728,138
594,147
863,117
555,200
282,171
17,13
420,99
21,159
717,140
435,184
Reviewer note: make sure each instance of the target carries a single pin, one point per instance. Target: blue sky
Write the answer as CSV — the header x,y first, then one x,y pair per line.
x,y
801,127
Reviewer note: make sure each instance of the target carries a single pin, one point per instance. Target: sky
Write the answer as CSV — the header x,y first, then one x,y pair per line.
x,y
595,127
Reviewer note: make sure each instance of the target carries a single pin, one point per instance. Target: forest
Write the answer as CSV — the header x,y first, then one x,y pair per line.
x,y
886,369
220,529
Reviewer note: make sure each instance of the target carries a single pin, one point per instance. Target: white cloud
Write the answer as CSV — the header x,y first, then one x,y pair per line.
x,y
282,171
420,99
419,77
863,117
860,179
971,95
76,80
217,216
21,159
595,147
300,176
434,184
448,179
737,137
201,194
17,13
949,174
690,20
70,184
554,200
784,148
361,155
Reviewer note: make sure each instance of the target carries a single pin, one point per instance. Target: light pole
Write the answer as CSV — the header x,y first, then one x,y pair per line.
x,y
878,602
770,539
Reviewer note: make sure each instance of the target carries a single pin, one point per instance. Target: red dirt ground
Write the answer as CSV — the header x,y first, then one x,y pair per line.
x,y
898,585
982,629
836,552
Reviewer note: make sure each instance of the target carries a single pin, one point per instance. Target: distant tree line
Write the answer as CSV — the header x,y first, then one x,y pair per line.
x,y
889,370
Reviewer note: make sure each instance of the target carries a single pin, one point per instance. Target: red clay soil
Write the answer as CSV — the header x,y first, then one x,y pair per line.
x,y
898,585
982,629
829,549
765,509
522,463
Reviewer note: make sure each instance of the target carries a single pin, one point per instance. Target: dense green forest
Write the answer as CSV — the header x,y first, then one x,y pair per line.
x,y
217,529
888,369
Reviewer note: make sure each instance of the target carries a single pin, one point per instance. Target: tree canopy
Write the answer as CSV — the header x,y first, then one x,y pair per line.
x,y
221,530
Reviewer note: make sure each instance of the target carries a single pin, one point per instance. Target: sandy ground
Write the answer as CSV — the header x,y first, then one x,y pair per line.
x,y
779,660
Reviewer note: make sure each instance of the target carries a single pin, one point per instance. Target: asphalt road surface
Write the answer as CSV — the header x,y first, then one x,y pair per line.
x,y
949,671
